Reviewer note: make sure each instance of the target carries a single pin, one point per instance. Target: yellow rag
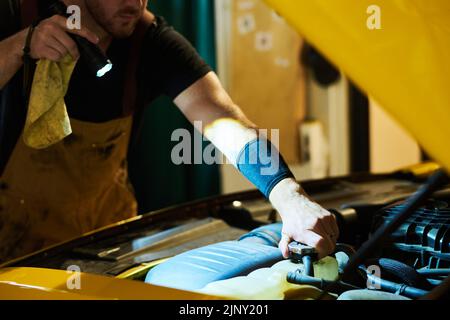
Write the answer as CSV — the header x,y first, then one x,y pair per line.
x,y
48,121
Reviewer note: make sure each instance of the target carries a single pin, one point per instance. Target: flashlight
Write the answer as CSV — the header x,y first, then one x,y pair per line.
x,y
92,55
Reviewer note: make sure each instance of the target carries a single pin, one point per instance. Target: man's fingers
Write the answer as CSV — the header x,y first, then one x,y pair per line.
x,y
83,32
52,54
329,225
321,228
53,33
68,44
335,227
54,44
283,245
316,239
329,235
320,243
326,226
318,236
92,37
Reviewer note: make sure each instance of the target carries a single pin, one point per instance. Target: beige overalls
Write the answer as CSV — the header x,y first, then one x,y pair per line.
x,y
56,194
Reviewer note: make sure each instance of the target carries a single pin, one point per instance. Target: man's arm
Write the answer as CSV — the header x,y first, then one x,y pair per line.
x,y
226,126
49,41
11,56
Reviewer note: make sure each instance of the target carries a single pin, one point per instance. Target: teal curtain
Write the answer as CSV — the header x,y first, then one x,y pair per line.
x,y
157,181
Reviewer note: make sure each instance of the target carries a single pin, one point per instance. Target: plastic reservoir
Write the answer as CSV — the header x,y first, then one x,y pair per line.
x,y
271,284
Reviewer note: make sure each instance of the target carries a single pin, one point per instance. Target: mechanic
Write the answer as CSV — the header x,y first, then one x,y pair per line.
x,y
81,184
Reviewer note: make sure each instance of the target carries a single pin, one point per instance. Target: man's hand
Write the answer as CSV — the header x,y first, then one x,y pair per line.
x,y
51,41
303,220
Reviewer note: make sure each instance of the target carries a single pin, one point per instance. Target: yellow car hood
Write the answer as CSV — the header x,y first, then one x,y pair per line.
x,y
48,284
405,65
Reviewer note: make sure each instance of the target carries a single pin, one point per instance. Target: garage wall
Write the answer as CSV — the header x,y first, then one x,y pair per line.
x,y
259,64
392,147
261,67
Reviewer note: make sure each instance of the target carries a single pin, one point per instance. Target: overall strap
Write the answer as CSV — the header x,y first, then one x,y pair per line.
x,y
130,96
29,13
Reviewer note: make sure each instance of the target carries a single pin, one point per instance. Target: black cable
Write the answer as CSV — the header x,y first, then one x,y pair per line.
x,y
392,287
434,272
296,277
437,180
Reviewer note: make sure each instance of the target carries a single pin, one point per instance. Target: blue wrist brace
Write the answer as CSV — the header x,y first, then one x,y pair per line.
x,y
261,163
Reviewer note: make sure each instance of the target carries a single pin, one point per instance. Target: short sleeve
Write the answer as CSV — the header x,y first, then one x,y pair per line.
x,y
9,19
170,61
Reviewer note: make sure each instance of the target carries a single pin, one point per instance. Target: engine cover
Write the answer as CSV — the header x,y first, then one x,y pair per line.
x,y
424,239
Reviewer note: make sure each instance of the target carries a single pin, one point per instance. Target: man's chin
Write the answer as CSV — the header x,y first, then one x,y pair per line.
x,y
122,34
122,31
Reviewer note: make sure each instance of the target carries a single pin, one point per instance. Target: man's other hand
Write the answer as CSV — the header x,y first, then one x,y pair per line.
x,y
51,40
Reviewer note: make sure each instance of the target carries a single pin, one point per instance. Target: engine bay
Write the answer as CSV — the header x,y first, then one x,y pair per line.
x,y
225,245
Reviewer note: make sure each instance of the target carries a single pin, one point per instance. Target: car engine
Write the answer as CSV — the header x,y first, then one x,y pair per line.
x,y
227,246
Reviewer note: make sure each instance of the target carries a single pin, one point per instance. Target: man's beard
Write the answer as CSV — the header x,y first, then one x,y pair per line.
x,y
116,26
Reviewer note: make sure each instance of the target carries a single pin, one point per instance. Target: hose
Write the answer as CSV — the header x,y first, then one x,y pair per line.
x,y
401,289
301,279
408,275
434,272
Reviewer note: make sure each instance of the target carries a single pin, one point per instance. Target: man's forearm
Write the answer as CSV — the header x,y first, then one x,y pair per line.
x,y
11,53
239,139
230,134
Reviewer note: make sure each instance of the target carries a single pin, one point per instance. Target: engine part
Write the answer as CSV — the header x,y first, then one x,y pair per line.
x,y
434,272
424,237
271,283
389,286
370,295
306,254
297,277
400,272
269,235
194,269
436,181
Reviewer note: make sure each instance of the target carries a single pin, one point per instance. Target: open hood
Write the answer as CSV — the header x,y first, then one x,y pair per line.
x,y
405,65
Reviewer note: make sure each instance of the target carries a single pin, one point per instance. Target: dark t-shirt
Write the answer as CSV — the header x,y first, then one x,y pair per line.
x,y
168,65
